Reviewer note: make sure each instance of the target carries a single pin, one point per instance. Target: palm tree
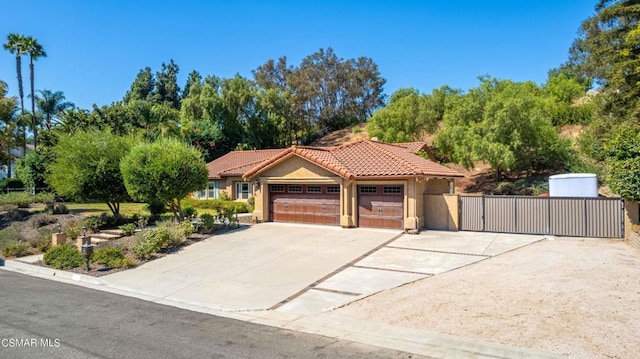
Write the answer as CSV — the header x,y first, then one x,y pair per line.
x,y
16,45
51,105
35,51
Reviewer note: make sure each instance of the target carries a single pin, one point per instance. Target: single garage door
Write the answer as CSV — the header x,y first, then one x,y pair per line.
x,y
381,206
317,204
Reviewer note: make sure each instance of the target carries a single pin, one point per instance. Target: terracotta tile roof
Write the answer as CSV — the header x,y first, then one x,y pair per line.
x,y
238,162
413,146
364,159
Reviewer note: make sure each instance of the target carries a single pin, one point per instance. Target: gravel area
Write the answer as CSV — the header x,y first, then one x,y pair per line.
x,y
576,297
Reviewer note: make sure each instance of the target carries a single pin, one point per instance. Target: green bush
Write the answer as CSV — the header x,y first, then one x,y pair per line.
x,y
189,212
94,223
251,204
9,234
208,222
217,204
166,235
156,208
60,208
44,197
128,229
10,183
20,199
15,249
64,256
109,256
72,230
42,241
356,129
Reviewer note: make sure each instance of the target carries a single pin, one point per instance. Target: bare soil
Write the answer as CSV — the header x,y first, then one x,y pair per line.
x,y
576,297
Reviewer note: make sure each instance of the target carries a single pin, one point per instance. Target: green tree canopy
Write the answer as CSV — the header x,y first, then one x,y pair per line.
x,y
504,124
623,162
165,170
409,115
87,167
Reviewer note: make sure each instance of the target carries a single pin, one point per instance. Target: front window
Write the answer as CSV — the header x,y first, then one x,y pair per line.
x,y
212,190
243,190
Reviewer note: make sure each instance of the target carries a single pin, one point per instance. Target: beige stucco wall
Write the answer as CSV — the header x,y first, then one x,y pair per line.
x,y
441,211
292,170
437,186
631,217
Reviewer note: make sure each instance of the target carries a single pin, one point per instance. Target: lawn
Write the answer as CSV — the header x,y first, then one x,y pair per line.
x,y
126,209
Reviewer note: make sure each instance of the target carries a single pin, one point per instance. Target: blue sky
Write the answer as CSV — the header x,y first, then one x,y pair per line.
x,y
96,48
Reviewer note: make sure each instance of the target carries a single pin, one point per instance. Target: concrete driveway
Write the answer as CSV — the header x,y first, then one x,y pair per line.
x,y
302,269
253,268
405,259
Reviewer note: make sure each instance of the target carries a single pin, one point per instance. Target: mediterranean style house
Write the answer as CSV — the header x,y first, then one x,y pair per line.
x,y
360,184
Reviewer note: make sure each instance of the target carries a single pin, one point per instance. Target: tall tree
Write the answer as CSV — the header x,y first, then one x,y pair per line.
x,y
166,86
8,123
327,92
142,87
194,77
36,51
608,50
51,105
16,45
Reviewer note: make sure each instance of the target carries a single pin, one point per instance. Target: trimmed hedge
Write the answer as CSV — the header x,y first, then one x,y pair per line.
x,y
216,204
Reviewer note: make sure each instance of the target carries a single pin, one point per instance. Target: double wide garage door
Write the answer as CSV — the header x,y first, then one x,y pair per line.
x,y
381,206
317,204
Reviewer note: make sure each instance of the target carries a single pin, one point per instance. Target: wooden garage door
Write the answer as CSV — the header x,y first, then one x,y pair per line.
x,y
317,204
381,206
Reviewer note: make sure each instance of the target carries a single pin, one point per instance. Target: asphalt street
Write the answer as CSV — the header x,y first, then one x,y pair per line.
x,y
47,319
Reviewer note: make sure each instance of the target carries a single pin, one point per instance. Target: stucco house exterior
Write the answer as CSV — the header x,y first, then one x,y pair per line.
x,y
360,184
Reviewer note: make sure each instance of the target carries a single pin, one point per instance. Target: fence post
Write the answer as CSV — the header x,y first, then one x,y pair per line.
x,y
483,215
548,215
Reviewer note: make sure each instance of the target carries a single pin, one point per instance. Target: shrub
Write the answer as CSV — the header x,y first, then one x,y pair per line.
x,y
128,229
72,230
165,236
94,223
108,256
9,234
156,208
59,208
10,183
208,222
251,204
64,256
42,241
20,199
44,197
356,129
15,249
224,196
41,220
189,212
217,204
142,221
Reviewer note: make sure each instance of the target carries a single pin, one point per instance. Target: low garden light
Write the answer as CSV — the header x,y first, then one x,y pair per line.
x,y
87,247
59,226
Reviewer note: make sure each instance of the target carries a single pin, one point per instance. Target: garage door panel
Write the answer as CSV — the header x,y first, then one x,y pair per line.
x,y
381,206
301,207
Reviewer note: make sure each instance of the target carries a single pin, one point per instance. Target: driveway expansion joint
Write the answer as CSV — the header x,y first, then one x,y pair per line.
x,y
336,291
393,270
437,251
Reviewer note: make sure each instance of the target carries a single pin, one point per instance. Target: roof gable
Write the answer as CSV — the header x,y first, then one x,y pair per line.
x,y
363,159
236,163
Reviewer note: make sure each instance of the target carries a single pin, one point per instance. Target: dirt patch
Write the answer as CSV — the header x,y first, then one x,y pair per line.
x,y
578,298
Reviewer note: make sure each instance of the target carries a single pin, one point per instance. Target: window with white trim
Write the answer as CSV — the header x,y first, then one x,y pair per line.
x,y
213,189
243,190
333,189
314,189
294,188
